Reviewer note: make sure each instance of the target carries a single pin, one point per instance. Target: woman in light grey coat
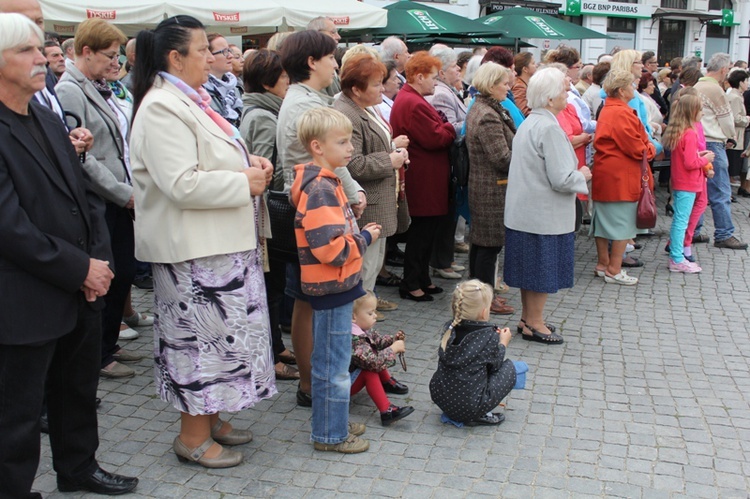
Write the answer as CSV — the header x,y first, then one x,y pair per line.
x,y
83,90
540,205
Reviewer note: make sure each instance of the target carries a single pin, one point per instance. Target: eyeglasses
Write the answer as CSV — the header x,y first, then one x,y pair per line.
x,y
227,52
111,57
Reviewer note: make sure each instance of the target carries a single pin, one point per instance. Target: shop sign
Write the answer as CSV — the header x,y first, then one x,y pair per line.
x,y
727,17
552,10
609,9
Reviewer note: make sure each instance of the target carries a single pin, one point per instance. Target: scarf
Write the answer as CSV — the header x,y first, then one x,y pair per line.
x,y
203,100
102,87
119,91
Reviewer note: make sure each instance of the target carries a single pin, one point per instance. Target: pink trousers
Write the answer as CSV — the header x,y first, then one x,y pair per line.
x,y
699,207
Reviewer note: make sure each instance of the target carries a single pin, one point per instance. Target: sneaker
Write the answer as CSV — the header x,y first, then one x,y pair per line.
x,y
357,429
394,413
735,181
731,243
684,266
116,370
127,333
461,248
386,306
139,319
352,445
689,258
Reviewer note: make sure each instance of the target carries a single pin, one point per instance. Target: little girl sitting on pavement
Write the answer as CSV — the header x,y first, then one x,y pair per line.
x,y
473,375
372,354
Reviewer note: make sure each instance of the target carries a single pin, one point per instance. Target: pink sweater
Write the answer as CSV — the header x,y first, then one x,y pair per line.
x,y
687,165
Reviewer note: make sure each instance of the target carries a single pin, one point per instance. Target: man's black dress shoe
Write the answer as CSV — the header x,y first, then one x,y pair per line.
x,y
393,386
100,482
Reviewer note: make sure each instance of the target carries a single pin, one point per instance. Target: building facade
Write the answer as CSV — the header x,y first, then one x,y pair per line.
x,y
670,28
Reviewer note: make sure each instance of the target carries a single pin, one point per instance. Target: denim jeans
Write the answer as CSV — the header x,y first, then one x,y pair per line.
x,y
719,194
683,206
331,355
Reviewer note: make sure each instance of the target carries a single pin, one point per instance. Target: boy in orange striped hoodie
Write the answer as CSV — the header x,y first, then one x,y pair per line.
x,y
330,249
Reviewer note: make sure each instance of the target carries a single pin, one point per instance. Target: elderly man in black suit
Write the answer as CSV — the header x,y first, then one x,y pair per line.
x,y
54,270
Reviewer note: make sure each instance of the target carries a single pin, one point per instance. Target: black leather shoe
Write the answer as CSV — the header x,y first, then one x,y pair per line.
x,y
100,482
742,192
395,413
433,290
393,386
304,399
408,296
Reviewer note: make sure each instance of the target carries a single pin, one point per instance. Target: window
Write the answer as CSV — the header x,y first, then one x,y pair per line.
x,y
675,4
720,4
621,25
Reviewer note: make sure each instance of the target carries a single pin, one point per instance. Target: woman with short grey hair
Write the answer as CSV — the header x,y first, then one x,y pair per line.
x,y
539,235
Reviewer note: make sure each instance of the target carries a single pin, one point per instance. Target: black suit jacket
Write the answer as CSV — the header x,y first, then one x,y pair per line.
x,y
51,224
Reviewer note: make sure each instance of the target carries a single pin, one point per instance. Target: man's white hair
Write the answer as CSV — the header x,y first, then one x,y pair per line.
x,y
15,30
718,61
446,54
391,47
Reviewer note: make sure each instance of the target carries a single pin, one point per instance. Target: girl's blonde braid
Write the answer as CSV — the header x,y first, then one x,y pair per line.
x,y
457,303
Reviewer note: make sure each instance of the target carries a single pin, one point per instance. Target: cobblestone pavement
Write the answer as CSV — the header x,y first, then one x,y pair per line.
x,y
648,397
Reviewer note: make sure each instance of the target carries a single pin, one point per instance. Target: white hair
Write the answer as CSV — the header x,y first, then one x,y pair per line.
x,y
446,54
15,30
718,61
318,23
546,84
391,47
471,68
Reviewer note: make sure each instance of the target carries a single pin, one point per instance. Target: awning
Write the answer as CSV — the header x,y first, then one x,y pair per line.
x,y
684,15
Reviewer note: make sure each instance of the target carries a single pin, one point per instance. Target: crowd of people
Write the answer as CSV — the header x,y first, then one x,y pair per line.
x,y
174,159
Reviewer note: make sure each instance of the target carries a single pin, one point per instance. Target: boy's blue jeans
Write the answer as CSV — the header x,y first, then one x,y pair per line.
x,y
331,355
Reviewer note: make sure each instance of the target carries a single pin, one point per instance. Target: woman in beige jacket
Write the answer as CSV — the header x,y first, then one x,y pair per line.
x,y
200,219
738,82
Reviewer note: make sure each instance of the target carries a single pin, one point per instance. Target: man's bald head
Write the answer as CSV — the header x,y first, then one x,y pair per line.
x,y
28,8
129,51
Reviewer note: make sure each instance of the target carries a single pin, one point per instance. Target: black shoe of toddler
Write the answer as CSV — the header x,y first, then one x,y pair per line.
x,y
393,386
394,413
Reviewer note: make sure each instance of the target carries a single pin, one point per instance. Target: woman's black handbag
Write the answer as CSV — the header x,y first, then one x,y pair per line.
x,y
283,244
459,153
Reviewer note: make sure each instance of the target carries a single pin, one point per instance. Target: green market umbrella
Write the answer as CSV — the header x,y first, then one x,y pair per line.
x,y
411,19
518,22
457,40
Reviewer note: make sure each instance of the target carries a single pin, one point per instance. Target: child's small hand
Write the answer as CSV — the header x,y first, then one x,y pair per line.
x,y
710,174
505,336
398,346
373,229
708,154
400,335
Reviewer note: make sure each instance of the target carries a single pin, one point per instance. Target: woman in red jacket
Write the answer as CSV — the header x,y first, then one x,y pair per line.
x,y
616,184
428,175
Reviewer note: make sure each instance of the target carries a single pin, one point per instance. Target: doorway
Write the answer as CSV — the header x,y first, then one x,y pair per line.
x,y
671,40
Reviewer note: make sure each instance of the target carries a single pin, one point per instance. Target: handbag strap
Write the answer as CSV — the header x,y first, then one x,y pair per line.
x,y
644,169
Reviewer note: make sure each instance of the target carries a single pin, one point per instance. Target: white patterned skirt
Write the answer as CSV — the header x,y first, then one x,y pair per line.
x,y
212,339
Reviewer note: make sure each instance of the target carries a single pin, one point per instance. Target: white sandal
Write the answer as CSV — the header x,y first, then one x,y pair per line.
x,y
622,278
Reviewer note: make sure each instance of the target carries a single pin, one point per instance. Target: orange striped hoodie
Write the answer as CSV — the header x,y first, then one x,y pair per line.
x,y
329,243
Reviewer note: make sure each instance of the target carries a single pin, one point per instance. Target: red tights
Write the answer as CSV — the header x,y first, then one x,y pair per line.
x,y
373,382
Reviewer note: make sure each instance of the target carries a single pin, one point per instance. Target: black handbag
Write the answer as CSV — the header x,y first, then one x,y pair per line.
x,y
459,154
283,244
